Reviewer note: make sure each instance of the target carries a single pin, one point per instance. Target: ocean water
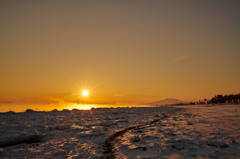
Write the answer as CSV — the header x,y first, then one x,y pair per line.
x,y
49,107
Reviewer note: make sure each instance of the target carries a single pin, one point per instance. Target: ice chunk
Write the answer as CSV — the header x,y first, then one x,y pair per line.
x,y
135,139
143,148
20,138
63,127
29,111
217,144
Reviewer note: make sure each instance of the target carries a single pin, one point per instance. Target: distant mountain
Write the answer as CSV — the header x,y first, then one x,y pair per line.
x,y
167,101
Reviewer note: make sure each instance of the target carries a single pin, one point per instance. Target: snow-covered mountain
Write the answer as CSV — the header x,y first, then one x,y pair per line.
x,y
167,101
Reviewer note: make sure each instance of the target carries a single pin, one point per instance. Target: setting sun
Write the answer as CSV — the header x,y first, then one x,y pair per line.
x,y
85,93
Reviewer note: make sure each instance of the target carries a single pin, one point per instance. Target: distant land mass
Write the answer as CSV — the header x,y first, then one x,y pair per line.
x,y
167,101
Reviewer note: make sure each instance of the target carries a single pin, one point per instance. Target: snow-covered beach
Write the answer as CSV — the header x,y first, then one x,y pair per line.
x,y
198,131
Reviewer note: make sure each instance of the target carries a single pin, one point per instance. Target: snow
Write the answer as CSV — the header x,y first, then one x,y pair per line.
x,y
198,131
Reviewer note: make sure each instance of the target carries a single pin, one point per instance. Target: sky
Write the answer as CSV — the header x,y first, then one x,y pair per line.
x,y
128,51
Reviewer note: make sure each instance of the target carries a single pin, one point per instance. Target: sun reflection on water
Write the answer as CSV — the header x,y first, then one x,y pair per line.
x,y
81,106
90,106
59,107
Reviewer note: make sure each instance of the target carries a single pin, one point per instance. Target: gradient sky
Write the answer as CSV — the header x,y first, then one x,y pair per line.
x,y
126,51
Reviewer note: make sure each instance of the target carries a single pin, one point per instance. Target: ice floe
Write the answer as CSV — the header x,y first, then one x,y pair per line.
x,y
199,131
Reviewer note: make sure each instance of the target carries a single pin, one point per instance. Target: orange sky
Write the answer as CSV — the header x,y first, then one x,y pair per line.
x,y
121,51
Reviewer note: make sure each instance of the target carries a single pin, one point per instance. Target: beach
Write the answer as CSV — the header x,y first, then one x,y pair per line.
x,y
191,131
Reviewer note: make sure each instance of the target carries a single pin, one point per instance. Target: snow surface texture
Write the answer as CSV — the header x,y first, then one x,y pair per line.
x,y
199,131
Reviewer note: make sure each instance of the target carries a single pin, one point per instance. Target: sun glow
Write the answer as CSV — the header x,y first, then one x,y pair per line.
x,y
86,107
85,93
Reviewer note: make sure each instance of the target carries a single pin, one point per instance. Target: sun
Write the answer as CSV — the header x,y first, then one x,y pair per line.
x,y
85,93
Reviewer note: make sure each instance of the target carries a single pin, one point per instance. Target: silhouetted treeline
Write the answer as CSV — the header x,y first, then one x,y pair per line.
x,y
225,99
